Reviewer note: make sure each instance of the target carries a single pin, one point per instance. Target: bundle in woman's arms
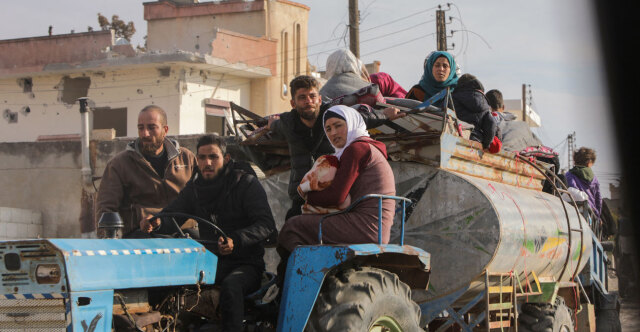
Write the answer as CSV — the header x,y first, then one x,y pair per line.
x,y
319,178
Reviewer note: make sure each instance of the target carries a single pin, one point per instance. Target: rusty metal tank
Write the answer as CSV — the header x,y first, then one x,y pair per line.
x,y
478,212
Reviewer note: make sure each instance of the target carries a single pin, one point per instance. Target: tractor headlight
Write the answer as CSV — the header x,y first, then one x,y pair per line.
x,y
48,273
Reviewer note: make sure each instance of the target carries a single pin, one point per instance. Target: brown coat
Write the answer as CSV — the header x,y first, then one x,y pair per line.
x,y
360,225
133,188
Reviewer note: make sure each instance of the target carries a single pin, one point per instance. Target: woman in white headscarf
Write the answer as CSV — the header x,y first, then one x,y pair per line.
x,y
363,169
346,74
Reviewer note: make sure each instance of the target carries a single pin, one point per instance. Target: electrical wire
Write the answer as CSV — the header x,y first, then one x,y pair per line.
x,y
241,84
276,54
397,31
466,34
480,36
276,62
396,20
403,43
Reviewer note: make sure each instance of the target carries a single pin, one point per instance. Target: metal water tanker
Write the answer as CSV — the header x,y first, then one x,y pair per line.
x,y
493,221
473,211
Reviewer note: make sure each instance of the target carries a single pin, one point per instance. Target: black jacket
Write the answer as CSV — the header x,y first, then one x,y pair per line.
x,y
472,107
307,144
239,204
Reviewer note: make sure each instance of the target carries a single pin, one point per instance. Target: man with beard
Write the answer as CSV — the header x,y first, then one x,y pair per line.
x,y
305,135
233,199
147,175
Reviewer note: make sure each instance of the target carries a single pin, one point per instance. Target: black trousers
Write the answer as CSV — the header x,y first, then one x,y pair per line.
x,y
235,283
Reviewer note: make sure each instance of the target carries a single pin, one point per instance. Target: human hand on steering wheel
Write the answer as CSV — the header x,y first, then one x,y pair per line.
x,y
224,244
148,224
225,247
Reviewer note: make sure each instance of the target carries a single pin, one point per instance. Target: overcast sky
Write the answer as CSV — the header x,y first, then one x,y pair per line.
x,y
551,45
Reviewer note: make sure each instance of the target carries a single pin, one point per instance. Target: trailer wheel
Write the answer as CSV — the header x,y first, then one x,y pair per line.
x,y
537,317
366,299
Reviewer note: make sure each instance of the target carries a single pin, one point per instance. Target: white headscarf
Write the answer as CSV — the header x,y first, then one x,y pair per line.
x,y
343,61
355,125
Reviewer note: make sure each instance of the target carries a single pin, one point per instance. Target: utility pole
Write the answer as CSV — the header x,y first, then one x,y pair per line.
x,y
354,28
441,30
524,102
571,142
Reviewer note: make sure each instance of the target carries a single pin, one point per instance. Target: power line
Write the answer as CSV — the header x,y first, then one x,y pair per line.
x,y
403,43
398,19
562,141
271,63
465,44
397,31
276,54
467,30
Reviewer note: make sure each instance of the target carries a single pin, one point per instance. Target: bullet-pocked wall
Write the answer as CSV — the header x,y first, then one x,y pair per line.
x,y
48,108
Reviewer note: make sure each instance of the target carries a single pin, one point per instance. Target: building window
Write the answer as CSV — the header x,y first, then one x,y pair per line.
x,y
107,118
215,116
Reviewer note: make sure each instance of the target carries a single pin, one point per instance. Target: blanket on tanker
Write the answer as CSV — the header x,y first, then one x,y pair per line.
x,y
517,135
319,178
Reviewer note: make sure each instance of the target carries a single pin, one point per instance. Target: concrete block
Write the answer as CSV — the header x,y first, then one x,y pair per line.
x,y
36,217
103,134
20,216
17,216
12,230
34,231
3,229
23,231
5,214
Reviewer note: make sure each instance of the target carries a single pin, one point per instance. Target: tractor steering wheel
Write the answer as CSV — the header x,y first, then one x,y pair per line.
x,y
173,215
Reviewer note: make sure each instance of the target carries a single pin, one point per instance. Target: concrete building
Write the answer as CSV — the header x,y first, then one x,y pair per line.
x,y
201,56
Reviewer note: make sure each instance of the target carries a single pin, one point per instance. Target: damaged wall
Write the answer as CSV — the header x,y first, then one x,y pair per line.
x,y
197,87
270,34
46,108
192,28
45,177
36,53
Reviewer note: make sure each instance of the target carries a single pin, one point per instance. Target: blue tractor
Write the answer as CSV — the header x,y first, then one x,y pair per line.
x,y
147,284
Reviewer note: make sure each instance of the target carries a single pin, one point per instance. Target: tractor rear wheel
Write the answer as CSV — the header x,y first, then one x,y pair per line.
x,y
365,299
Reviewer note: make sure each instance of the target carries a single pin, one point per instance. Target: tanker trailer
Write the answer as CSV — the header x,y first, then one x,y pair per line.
x,y
499,246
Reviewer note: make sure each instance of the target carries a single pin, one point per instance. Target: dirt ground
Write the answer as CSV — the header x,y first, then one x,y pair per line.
x,y
630,316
